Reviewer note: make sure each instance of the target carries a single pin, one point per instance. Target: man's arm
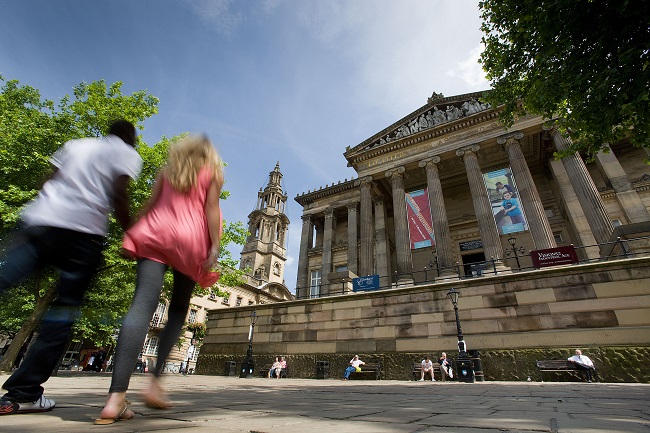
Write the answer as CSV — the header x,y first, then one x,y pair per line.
x,y
121,201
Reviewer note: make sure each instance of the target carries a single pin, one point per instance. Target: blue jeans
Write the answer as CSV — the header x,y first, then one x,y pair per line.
x,y
349,371
76,256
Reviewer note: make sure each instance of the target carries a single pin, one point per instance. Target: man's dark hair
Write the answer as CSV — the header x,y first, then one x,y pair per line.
x,y
123,129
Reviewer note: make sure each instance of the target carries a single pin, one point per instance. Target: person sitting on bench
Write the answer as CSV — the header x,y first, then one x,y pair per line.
x,y
445,366
427,367
583,362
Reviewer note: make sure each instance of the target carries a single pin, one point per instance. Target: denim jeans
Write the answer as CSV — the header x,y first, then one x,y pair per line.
x,y
76,256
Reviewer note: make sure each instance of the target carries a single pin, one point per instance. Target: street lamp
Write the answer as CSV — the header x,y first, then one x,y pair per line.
x,y
464,367
514,251
248,365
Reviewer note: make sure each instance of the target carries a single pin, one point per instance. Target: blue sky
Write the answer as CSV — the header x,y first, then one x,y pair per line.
x,y
294,81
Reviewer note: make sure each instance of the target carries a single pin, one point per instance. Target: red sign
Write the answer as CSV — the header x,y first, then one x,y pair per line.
x,y
419,219
554,257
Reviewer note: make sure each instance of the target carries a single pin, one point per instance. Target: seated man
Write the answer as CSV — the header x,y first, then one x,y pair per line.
x,y
583,362
427,367
445,366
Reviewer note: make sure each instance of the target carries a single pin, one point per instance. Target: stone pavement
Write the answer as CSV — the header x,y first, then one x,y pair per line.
x,y
229,404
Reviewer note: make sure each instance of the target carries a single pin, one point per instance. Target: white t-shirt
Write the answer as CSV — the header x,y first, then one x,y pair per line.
x,y
427,364
582,359
79,196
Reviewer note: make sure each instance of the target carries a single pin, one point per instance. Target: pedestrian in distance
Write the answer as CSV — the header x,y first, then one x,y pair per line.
x,y
355,365
180,228
582,362
65,227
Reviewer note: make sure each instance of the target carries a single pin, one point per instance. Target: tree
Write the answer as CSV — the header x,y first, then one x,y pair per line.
x,y
585,63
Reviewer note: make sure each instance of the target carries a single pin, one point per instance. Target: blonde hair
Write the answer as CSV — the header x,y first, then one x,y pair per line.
x,y
186,157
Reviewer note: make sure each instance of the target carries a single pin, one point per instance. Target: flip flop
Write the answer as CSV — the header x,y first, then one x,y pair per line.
x,y
120,416
156,403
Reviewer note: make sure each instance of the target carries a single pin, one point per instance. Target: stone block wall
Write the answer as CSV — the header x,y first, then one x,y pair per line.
x,y
513,319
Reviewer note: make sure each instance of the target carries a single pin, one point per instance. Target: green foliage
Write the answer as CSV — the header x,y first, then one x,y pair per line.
x,y
197,329
584,63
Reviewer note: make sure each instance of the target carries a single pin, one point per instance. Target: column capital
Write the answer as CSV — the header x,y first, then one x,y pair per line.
x,y
329,212
468,150
352,207
395,172
511,138
429,161
305,219
364,181
378,201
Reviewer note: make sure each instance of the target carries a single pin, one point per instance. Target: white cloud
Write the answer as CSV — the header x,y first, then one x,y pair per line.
x,y
217,14
470,70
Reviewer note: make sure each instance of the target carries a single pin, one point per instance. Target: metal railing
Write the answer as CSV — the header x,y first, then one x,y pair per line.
x,y
516,260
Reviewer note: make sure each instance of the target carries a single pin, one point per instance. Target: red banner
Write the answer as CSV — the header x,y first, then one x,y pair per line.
x,y
419,219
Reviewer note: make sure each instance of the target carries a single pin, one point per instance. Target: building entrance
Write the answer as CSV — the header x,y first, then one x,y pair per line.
x,y
473,264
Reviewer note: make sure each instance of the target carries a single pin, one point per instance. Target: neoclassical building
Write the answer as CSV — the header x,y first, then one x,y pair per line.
x,y
454,154
447,198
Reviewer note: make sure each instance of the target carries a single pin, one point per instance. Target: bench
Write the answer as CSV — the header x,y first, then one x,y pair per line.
x,y
369,370
417,371
264,371
559,365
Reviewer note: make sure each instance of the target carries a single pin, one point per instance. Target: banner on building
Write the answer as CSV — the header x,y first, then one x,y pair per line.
x,y
554,256
419,219
370,282
506,206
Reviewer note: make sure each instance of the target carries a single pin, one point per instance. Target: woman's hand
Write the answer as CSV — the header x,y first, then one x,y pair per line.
x,y
211,261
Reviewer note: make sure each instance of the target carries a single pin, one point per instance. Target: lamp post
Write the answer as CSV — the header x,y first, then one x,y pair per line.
x,y
248,365
464,367
514,251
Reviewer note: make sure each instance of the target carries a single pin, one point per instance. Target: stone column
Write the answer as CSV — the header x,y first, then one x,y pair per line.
x,y
306,240
365,255
439,217
400,221
634,209
588,195
573,211
381,240
487,227
540,229
353,234
326,263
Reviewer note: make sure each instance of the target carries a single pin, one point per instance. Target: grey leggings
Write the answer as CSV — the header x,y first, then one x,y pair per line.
x,y
136,323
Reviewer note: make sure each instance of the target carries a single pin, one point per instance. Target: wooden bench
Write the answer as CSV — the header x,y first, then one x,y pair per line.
x,y
264,372
417,371
559,365
369,370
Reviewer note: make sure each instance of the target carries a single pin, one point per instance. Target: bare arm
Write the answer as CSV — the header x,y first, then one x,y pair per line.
x,y
213,215
121,201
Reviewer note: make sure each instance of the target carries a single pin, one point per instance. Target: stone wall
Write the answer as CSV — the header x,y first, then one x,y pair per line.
x,y
512,319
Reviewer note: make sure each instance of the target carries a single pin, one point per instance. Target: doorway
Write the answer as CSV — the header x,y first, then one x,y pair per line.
x,y
473,264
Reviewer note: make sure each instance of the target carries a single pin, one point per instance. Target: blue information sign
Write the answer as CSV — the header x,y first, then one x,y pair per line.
x,y
370,282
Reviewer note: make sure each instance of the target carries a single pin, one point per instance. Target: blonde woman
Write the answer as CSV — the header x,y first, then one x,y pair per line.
x,y
180,228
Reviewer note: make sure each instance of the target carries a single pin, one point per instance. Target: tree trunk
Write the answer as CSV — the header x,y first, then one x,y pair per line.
x,y
42,304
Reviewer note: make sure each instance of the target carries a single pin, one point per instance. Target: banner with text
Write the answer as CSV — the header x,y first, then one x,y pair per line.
x,y
506,206
419,219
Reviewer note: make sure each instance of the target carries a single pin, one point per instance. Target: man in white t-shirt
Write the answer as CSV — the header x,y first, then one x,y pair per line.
x,y
427,368
583,363
66,227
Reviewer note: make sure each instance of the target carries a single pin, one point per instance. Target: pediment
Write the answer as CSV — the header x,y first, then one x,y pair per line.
x,y
438,111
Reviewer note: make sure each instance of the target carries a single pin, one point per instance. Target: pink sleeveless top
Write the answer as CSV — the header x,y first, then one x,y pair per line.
x,y
175,231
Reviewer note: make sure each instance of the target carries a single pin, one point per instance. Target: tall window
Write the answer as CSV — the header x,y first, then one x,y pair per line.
x,y
191,318
314,286
159,315
150,346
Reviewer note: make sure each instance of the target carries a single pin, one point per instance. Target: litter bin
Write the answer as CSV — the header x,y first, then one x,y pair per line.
x,y
465,370
231,368
475,357
322,370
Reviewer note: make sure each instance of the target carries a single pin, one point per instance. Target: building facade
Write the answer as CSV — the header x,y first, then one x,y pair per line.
x,y
431,195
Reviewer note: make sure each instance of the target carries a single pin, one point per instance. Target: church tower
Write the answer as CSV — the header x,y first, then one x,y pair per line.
x,y
265,252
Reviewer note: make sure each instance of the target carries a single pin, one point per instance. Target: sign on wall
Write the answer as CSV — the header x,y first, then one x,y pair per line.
x,y
419,219
370,282
554,256
506,206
